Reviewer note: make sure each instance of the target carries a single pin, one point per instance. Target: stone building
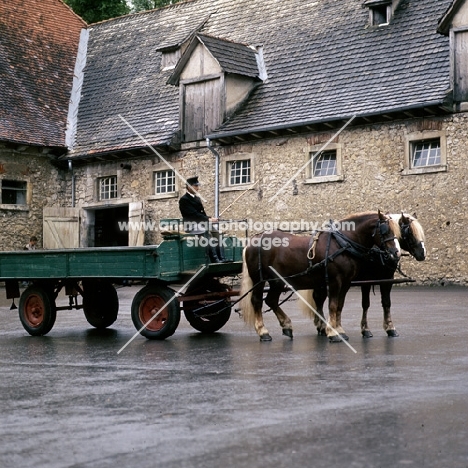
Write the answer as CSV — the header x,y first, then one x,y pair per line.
x,y
38,47
313,110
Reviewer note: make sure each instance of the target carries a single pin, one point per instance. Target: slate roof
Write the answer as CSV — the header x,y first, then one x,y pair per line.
x,y
38,46
323,63
233,57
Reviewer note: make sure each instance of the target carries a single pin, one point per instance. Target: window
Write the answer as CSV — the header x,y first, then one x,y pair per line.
x,y
325,164
164,182
14,192
425,152
107,188
379,15
380,12
169,59
239,172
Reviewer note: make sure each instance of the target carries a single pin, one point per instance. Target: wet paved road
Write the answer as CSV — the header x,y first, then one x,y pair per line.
x,y
69,400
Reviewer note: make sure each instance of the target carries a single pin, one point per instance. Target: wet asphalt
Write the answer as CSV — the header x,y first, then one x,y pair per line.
x,y
69,399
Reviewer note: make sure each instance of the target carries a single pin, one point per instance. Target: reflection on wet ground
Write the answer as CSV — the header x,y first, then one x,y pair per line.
x,y
68,399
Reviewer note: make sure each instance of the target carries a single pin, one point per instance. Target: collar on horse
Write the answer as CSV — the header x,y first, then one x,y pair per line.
x,y
372,254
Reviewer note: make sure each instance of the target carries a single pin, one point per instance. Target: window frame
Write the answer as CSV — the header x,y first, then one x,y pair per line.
x,y
27,195
99,180
311,152
412,139
171,194
225,173
240,175
377,9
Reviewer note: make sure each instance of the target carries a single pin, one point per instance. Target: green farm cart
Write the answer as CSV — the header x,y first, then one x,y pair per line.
x,y
88,276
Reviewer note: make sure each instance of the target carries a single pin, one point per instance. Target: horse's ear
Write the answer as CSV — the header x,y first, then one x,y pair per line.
x,y
404,219
414,215
382,217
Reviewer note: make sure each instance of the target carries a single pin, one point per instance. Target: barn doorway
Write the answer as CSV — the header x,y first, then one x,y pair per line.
x,y
107,232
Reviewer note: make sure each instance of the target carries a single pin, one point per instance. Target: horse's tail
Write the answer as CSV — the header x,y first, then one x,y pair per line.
x,y
248,311
308,296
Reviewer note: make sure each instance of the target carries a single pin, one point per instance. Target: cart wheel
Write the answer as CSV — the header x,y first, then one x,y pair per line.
x,y
207,316
100,303
37,310
147,304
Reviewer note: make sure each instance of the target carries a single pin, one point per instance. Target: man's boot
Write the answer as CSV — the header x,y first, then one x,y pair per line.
x,y
220,253
213,256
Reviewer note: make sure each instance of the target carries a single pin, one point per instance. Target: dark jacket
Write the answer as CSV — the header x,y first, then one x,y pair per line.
x,y
192,209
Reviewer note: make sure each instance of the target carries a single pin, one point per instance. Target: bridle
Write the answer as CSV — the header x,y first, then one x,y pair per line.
x,y
388,256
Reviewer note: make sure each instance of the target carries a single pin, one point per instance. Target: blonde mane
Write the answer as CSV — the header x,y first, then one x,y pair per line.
x,y
415,226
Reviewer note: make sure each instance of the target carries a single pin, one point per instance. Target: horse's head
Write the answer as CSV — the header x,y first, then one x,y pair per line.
x,y
412,236
386,234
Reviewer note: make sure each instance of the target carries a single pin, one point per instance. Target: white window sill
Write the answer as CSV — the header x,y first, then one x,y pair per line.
x,y
163,196
424,170
234,188
5,206
324,179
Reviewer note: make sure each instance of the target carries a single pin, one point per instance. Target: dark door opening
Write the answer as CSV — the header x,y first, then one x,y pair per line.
x,y
107,230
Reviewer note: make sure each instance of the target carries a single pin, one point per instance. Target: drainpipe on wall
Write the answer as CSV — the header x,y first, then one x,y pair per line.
x,y
70,168
216,191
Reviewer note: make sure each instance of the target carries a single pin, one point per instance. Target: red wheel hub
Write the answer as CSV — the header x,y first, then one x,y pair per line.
x,y
34,310
150,309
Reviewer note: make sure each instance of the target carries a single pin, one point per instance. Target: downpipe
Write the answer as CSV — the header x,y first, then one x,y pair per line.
x,y
216,188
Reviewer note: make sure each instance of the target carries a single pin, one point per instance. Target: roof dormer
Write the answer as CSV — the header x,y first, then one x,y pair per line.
x,y
454,24
381,11
215,77
174,45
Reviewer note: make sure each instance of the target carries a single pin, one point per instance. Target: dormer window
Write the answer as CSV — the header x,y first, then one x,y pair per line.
x,y
215,77
380,12
169,59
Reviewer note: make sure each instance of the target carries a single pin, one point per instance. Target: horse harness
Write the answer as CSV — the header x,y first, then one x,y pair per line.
x,y
346,245
375,253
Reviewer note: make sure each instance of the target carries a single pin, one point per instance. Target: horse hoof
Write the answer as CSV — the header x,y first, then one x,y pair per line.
x,y
335,339
265,337
344,336
367,334
321,333
392,333
288,332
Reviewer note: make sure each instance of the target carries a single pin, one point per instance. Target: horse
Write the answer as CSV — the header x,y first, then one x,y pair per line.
x,y
326,262
412,240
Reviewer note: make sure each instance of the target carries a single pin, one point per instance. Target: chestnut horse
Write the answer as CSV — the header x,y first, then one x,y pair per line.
x,y
326,263
412,240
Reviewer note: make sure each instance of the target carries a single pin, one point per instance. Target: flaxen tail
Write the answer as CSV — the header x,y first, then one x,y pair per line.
x,y
248,312
308,296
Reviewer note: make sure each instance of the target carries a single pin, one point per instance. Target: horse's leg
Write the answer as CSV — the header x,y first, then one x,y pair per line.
x,y
320,294
365,302
272,301
257,302
335,331
388,326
